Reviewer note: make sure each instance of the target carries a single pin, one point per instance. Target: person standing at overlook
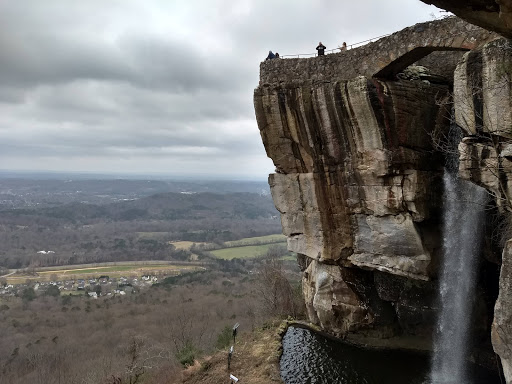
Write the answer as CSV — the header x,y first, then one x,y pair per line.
x,y
270,56
320,49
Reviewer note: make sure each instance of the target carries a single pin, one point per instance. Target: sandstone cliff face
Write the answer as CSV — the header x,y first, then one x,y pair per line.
x,y
358,181
483,108
356,187
357,184
354,163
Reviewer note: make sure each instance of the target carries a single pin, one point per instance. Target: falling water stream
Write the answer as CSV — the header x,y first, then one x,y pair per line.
x,y
464,205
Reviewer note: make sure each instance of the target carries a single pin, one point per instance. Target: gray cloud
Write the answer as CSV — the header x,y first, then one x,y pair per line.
x,y
157,86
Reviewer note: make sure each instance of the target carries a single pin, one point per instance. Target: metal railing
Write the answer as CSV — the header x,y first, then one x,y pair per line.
x,y
349,46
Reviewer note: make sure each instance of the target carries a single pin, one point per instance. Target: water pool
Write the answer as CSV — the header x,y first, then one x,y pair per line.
x,y
310,358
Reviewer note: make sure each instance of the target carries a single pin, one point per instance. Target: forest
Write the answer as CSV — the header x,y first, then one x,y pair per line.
x,y
136,228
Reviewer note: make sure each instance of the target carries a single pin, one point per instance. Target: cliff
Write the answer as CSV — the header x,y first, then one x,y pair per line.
x,y
494,15
355,140
355,188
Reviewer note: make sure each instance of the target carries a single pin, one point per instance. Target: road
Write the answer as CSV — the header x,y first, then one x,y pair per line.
x,y
12,272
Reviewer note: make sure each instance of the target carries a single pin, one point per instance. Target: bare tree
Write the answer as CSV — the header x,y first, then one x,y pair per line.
x,y
142,358
278,296
187,330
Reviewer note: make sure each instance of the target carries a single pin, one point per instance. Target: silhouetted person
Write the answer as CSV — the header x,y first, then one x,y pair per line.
x,y
320,49
277,55
270,56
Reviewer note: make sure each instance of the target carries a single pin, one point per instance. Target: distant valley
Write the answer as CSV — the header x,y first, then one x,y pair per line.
x,y
91,221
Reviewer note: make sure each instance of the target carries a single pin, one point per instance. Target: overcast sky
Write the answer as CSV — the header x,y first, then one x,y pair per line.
x,y
158,86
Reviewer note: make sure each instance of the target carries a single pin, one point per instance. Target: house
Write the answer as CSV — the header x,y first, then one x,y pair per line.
x,y
128,289
68,286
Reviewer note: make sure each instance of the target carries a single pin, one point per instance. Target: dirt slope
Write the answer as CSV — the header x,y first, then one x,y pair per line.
x,y
255,361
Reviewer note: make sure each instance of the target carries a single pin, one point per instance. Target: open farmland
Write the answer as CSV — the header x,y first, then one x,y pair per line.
x,y
248,247
269,239
246,241
111,269
244,252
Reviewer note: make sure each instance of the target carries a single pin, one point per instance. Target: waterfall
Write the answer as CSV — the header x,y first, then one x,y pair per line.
x,y
463,205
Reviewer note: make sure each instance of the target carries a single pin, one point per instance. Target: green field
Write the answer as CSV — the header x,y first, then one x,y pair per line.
x,y
243,252
258,240
278,238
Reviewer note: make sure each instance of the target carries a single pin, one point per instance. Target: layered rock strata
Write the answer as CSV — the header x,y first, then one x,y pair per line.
x,y
357,184
358,179
355,170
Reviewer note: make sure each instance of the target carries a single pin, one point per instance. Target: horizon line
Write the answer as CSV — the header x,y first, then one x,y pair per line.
x,y
132,175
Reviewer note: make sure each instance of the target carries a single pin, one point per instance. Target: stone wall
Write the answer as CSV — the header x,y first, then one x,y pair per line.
x,y
401,48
